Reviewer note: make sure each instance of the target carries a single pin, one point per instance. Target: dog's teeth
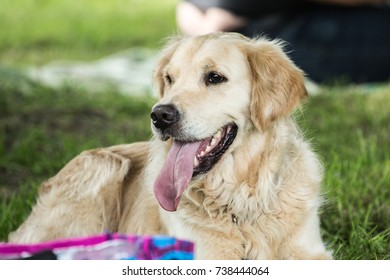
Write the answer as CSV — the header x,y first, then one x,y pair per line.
x,y
217,135
202,153
208,149
213,142
196,162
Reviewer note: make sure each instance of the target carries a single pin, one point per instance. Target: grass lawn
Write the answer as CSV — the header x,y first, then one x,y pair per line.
x,y
41,128
38,31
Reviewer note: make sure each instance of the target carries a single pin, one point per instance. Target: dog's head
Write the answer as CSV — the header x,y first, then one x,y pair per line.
x,y
213,88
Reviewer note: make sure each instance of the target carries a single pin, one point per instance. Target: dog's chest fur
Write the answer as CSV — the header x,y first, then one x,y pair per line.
x,y
242,219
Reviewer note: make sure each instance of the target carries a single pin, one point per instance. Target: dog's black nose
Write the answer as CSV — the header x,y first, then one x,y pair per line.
x,y
163,116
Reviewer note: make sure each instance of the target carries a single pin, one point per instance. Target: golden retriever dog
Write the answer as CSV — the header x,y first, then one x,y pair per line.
x,y
227,168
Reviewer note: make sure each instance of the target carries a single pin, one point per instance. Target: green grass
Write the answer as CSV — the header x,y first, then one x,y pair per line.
x,y
41,128
37,31
351,131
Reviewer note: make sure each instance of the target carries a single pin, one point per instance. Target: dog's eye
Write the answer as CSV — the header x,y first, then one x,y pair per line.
x,y
168,79
214,78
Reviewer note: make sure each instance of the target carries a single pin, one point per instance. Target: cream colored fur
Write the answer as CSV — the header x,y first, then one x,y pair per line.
x,y
260,201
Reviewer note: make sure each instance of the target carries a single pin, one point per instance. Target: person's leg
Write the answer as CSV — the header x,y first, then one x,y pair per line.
x,y
189,18
332,43
193,21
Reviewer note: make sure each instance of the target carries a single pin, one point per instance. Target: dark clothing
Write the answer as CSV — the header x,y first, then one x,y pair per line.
x,y
44,255
250,8
329,42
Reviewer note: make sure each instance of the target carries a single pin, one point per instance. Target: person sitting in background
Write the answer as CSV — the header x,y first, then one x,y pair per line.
x,y
329,39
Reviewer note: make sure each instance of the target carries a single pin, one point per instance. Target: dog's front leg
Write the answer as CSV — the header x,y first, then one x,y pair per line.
x,y
212,241
215,247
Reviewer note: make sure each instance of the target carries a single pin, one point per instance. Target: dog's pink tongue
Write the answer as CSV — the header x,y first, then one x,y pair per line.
x,y
175,174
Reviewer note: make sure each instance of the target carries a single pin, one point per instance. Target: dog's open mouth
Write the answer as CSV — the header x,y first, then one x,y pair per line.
x,y
186,160
212,148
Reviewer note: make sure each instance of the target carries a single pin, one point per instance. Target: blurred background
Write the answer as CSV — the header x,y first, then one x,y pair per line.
x,y
76,75
91,42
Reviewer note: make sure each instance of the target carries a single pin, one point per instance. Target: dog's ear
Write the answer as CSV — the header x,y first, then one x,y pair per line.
x,y
162,62
277,86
